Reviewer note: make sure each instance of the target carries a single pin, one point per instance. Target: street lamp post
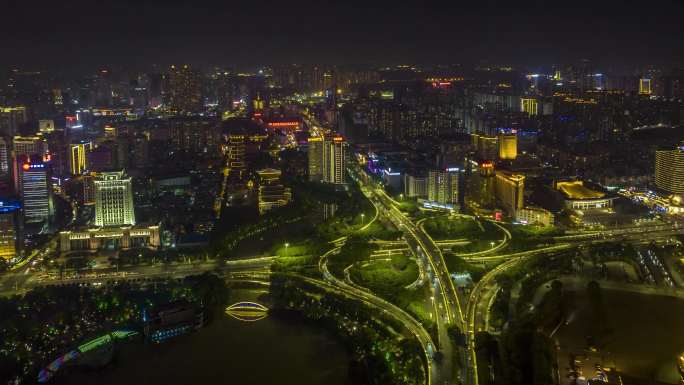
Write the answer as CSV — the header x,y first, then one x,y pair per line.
x,y
286,246
362,215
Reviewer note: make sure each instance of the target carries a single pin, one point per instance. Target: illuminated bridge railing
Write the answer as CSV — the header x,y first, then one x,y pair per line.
x,y
48,372
247,311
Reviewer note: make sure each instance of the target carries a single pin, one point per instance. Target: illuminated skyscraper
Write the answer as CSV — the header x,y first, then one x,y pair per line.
x,y
113,200
8,229
328,159
669,170
4,158
487,146
29,145
509,190
316,159
644,86
34,188
444,187
335,160
508,146
77,158
11,118
89,189
529,106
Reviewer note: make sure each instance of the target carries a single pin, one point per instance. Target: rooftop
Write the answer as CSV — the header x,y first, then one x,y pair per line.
x,y
577,190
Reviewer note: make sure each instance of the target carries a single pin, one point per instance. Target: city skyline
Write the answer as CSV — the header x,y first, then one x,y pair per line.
x,y
342,193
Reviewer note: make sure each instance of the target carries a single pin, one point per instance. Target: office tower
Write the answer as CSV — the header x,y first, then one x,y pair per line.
x,y
645,86
669,170
509,189
529,106
272,193
184,93
315,159
77,158
4,159
89,189
415,185
8,228
34,189
444,187
335,160
487,146
28,145
508,146
113,199
11,118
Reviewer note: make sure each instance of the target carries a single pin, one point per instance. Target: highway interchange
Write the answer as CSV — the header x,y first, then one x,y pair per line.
x,y
452,308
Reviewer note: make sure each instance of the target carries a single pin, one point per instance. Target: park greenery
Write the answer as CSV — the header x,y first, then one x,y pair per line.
x,y
473,234
384,276
46,322
319,214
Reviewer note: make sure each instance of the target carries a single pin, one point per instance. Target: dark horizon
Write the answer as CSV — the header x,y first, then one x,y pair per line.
x,y
83,34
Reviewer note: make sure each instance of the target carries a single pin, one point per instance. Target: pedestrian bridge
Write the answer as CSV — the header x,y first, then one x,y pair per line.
x,y
247,311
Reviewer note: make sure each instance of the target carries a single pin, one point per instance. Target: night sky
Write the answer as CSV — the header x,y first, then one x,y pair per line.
x,y
76,33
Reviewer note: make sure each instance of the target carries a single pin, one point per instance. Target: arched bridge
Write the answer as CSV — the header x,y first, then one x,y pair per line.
x,y
247,311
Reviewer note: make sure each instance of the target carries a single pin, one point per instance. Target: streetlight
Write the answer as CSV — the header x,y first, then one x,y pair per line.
x,y
492,244
362,215
286,246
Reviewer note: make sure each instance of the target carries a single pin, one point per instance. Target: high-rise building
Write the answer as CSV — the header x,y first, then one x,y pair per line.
x,y
415,186
669,170
272,193
487,146
335,160
444,187
77,158
509,189
328,159
315,159
8,229
184,93
194,135
11,118
645,86
529,106
4,159
508,146
113,199
34,189
89,189
28,145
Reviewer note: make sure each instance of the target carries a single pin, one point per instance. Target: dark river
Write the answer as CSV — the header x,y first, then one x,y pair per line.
x,y
278,350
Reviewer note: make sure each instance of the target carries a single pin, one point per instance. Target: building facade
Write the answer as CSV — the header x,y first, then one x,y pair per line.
x,y
509,188
669,170
113,200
